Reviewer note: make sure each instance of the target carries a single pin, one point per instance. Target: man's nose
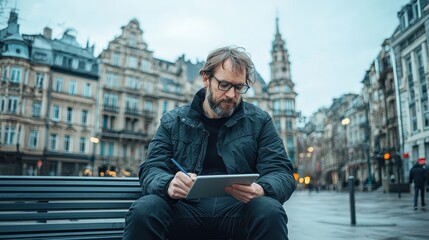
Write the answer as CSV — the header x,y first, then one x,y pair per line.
x,y
231,92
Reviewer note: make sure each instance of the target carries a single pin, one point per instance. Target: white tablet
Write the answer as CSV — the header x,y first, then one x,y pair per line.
x,y
214,185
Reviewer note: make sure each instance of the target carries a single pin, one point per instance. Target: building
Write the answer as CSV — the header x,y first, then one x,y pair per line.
x,y
282,94
66,112
409,43
47,104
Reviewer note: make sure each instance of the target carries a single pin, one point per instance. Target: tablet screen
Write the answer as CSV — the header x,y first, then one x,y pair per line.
x,y
214,185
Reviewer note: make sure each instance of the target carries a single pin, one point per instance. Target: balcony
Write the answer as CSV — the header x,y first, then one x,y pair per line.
x,y
111,108
132,111
133,135
148,114
287,113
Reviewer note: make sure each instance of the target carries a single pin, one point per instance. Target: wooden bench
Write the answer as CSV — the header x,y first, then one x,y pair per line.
x,y
65,207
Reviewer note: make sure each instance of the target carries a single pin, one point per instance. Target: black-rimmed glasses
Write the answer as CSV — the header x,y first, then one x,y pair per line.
x,y
225,86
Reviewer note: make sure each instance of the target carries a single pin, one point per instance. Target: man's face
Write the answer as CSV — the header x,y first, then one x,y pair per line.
x,y
220,103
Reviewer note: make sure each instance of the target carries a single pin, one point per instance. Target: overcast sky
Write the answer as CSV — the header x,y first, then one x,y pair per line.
x,y
331,43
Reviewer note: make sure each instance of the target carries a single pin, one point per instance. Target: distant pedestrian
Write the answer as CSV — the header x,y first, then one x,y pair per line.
x,y
418,175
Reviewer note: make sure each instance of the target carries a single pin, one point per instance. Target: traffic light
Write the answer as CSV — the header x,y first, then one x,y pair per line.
x,y
386,156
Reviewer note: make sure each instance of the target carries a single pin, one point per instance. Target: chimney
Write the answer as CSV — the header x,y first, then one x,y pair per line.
x,y
47,33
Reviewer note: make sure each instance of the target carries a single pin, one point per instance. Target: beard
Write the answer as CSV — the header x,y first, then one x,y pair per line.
x,y
216,105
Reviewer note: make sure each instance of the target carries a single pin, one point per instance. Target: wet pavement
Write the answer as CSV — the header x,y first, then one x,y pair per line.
x,y
384,216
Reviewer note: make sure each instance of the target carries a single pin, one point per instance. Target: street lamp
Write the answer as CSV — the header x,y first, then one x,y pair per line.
x,y
344,122
94,141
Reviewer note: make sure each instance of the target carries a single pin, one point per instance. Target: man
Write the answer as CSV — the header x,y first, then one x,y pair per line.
x,y
217,133
418,174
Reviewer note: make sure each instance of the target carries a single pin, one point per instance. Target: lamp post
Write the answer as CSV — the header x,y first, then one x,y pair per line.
x,y
345,122
94,141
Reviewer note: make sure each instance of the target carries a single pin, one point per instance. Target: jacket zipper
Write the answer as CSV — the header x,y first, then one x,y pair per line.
x,y
204,135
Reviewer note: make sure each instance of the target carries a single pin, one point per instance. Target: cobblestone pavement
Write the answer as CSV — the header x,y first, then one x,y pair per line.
x,y
384,216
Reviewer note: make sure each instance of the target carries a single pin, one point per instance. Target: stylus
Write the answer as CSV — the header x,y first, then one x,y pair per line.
x,y
180,167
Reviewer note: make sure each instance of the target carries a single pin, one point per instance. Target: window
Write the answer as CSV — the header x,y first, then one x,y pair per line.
x,y
289,105
4,74
145,65
116,59
110,99
165,107
410,79
425,112
413,117
34,135
36,109
15,74
132,62
105,121
110,151
87,90
56,113
53,140
2,104
102,148
132,82
290,144
84,118
148,87
131,103
112,80
276,105
287,89
72,88
58,85
58,60
288,124
39,79
88,67
82,145
69,118
12,104
132,40
422,78
277,124
9,135
67,143
75,63
148,106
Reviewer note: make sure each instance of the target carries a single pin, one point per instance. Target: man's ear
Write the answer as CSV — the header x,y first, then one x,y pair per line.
x,y
205,80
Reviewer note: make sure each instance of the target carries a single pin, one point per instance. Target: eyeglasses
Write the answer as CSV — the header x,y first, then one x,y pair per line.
x,y
225,86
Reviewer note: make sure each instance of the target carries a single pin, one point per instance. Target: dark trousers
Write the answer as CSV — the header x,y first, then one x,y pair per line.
x,y
152,217
420,189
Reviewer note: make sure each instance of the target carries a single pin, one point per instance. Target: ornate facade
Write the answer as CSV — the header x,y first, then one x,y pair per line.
x,y
66,112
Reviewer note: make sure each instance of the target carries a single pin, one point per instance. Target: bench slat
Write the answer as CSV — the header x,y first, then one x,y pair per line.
x,y
38,206
59,189
66,208
68,196
75,215
69,231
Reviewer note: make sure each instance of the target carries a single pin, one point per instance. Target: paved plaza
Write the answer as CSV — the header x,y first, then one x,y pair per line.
x,y
384,216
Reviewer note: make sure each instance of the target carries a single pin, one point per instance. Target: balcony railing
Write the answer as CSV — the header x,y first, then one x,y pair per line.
x,y
110,108
132,111
289,113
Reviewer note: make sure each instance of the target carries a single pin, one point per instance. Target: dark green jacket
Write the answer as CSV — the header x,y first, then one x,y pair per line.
x,y
248,143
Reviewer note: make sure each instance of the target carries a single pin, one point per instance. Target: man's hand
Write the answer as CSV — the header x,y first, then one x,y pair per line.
x,y
180,185
245,193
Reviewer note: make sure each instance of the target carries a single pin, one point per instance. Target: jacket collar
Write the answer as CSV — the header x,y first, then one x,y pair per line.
x,y
196,110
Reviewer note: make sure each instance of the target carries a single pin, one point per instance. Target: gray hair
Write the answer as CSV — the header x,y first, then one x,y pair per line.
x,y
240,60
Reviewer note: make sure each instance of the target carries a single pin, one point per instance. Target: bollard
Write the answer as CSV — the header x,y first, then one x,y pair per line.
x,y
352,200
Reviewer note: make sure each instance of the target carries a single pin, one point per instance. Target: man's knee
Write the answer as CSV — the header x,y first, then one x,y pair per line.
x,y
149,206
267,208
